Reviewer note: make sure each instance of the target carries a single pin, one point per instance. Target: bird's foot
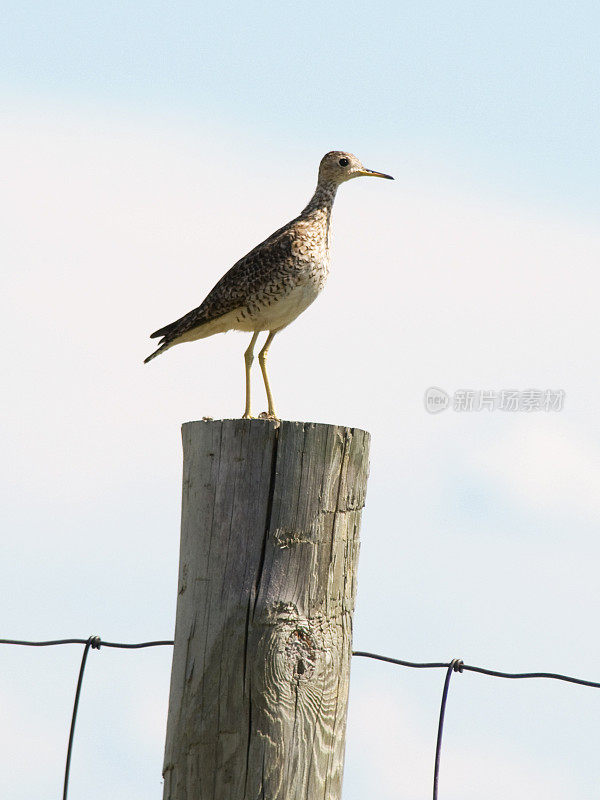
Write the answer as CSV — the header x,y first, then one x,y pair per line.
x,y
247,416
269,415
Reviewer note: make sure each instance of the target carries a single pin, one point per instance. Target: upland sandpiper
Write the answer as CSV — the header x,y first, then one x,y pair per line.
x,y
274,283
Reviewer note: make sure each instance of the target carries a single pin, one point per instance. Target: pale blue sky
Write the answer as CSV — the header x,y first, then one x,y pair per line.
x,y
149,145
505,93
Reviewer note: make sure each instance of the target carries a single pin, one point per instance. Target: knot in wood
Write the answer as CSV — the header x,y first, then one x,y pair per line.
x,y
300,653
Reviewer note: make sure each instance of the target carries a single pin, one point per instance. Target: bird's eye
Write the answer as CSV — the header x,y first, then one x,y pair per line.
x,y
343,162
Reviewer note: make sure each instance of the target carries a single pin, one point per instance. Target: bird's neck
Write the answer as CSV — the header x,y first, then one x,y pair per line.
x,y
322,199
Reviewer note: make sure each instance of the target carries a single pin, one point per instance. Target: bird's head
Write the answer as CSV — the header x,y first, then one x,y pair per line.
x,y
337,167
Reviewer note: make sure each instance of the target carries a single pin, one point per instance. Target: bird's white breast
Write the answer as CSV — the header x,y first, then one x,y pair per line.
x,y
286,308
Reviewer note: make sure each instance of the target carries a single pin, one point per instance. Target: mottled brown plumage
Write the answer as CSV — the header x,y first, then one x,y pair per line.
x,y
277,280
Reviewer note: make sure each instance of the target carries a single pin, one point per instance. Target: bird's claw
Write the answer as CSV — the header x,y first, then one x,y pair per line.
x,y
267,415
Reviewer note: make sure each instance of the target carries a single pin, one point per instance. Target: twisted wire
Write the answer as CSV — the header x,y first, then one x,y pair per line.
x,y
455,665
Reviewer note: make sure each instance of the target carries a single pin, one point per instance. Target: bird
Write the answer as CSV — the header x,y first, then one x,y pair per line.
x,y
276,281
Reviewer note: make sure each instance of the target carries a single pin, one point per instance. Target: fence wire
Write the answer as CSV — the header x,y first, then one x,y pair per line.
x,y
94,643
455,665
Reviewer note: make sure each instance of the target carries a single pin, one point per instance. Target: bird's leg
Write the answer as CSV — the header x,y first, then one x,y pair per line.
x,y
262,360
248,359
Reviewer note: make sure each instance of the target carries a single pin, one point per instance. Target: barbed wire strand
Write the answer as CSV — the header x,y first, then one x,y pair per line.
x,y
456,665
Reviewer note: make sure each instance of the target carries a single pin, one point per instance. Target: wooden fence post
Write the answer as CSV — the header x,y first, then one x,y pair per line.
x,y
263,639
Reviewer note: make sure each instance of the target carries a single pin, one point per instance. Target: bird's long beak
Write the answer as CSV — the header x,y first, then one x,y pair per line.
x,y
374,174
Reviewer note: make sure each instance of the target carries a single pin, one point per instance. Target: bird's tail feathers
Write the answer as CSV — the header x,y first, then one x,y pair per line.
x,y
164,346
162,331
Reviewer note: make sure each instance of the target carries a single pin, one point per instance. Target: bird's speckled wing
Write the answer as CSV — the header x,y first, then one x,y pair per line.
x,y
240,285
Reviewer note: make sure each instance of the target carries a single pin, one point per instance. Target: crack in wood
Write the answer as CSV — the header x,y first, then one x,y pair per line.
x,y
263,637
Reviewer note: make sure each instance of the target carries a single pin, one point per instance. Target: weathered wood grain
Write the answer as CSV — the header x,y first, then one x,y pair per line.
x,y
267,580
